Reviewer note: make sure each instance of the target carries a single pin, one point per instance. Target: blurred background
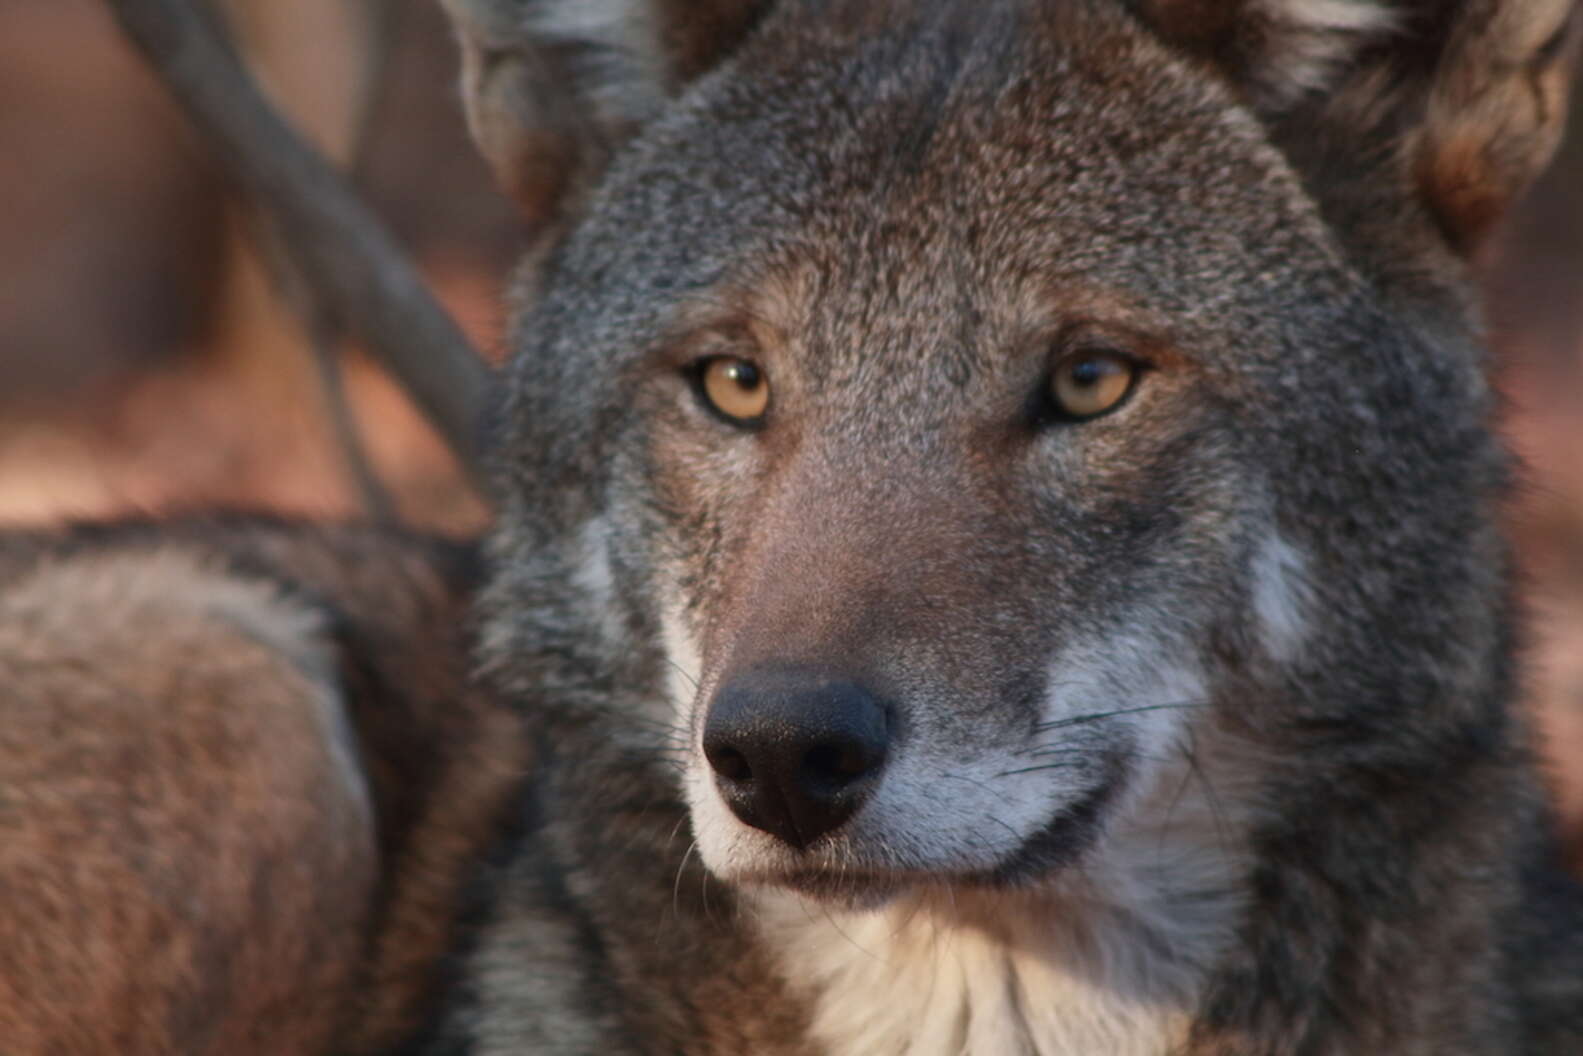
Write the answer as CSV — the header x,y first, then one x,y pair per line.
x,y
150,361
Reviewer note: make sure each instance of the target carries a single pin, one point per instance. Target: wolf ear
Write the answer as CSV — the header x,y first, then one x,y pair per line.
x,y
553,87
1468,96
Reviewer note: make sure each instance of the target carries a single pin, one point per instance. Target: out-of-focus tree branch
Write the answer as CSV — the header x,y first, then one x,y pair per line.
x,y
347,259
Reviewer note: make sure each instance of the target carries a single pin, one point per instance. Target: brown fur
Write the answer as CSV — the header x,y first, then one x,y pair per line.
x,y
1495,111
243,777
170,808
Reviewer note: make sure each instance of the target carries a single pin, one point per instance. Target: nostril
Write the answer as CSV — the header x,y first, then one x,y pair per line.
x,y
729,764
843,762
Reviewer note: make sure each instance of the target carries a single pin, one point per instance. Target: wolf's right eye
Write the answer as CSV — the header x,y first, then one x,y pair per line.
x,y
1088,384
736,389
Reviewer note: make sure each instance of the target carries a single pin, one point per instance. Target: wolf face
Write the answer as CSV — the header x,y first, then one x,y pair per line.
x,y
944,616
960,431
1012,481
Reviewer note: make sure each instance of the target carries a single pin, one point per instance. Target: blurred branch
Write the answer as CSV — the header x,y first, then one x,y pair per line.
x,y
324,339
348,260
384,20
381,20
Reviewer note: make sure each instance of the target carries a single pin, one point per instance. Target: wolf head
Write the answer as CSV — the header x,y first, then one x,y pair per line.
x,y
956,426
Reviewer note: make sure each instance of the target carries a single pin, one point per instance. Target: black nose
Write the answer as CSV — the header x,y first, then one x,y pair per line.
x,y
794,754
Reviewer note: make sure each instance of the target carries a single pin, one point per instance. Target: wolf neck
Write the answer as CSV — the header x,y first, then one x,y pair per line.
x,y
1111,960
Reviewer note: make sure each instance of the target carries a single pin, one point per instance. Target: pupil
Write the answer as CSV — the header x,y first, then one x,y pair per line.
x,y
746,375
1087,373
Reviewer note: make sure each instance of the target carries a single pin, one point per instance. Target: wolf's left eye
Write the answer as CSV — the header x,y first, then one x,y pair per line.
x,y
1090,383
734,388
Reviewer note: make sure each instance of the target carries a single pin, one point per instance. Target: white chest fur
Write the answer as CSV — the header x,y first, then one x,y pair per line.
x,y
1112,963
903,981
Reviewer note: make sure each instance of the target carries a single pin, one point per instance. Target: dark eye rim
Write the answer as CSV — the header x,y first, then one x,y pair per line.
x,y
698,368
1047,411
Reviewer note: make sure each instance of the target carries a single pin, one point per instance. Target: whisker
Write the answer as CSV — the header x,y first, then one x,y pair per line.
x,y
662,725
1216,808
829,918
1085,752
1034,769
672,837
981,785
1047,750
676,886
1095,716
703,892
680,670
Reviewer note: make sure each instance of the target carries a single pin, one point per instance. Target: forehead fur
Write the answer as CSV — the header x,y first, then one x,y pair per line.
x,y
981,149
928,175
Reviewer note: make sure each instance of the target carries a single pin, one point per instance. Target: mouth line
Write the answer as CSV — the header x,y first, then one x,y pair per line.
x,y
1055,846
1062,840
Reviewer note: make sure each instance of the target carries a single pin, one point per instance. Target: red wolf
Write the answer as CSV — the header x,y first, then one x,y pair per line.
x,y
998,555
1000,539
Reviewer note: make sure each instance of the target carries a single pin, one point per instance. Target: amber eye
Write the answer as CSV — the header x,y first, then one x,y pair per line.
x,y
1087,384
735,388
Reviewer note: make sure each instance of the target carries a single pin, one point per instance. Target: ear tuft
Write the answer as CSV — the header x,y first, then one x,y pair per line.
x,y
553,87
1496,111
1298,47
1466,97
1276,51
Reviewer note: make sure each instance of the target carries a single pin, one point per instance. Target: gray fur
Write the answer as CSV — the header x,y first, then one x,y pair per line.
x,y
904,212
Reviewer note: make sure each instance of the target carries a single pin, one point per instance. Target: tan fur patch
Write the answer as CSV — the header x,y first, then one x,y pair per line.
x,y
1496,111
175,784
